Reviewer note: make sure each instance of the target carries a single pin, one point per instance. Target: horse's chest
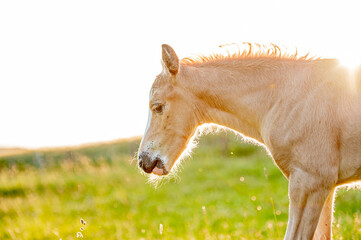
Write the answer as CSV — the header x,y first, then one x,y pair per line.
x,y
350,165
281,153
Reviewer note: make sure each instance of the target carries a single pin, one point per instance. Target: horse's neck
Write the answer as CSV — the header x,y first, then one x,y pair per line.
x,y
239,97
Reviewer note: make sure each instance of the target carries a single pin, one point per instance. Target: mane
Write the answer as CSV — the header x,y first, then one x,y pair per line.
x,y
246,50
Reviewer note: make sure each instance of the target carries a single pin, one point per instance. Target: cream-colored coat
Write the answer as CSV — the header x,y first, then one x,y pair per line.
x,y
306,112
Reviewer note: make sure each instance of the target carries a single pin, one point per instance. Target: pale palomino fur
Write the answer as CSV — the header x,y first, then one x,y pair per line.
x,y
306,112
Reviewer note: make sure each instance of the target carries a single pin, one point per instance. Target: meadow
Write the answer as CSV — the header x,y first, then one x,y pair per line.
x,y
226,190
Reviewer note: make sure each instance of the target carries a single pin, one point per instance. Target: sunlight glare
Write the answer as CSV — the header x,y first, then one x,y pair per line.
x,y
75,72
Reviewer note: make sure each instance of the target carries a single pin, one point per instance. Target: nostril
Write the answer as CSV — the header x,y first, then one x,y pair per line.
x,y
157,162
145,162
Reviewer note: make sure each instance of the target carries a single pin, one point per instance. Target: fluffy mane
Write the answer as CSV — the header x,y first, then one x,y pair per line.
x,y
245,50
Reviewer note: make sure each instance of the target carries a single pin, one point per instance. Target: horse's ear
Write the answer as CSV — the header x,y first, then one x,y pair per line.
x,y
170,59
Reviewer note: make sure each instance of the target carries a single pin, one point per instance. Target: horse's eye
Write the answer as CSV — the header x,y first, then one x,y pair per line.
x,y
157,108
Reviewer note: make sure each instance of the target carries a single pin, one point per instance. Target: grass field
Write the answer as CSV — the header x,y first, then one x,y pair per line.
x,y
228,190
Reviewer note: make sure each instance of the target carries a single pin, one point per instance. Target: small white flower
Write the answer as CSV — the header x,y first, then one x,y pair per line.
x,y
161,229
204,210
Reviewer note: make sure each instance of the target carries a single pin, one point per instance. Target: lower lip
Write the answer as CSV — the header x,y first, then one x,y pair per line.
x,y
158,171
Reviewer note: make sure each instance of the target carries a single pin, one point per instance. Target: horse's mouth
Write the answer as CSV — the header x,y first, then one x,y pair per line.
x,y
156,167
159,168
159,171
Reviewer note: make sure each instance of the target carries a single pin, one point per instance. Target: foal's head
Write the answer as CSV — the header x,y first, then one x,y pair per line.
x,y
172,119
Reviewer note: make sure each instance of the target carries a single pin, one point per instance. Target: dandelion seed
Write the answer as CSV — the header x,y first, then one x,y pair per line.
x,y
281,224
81,229
161,229
143,230
253,198
82,221
278,212
204,210
259,208
241,179
79,235
269,225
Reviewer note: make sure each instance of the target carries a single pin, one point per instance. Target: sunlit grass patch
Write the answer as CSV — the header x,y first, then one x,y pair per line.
x,y
217,195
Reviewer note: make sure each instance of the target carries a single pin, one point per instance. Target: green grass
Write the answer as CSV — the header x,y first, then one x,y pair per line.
x,y
228,190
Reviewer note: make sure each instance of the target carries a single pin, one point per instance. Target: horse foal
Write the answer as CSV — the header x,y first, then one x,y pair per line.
x,y
304,111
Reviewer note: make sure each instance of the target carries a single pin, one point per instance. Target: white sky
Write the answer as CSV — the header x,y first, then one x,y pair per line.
x,y
74,72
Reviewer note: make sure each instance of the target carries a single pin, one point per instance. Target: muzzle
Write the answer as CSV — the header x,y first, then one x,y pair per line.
x,y
150,165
